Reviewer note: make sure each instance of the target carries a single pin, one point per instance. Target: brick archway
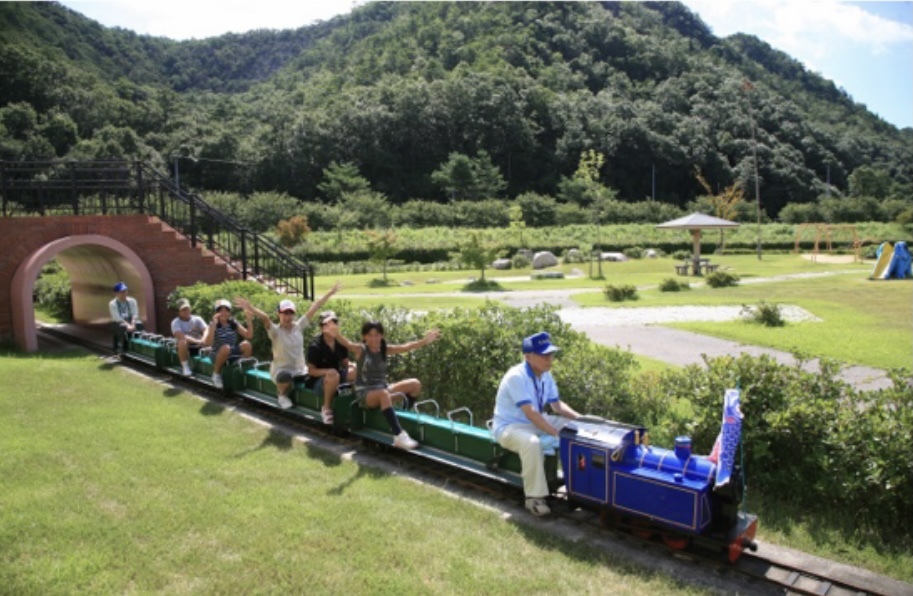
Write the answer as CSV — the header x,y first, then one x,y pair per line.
x,y
87,259
98,250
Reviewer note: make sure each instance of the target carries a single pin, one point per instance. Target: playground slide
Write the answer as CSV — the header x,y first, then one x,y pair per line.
x,y
883,262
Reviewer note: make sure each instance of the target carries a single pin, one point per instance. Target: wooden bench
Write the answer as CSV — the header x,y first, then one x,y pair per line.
x,y
682,269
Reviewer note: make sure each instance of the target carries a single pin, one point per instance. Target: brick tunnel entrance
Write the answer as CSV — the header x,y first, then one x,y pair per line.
x,y
94,263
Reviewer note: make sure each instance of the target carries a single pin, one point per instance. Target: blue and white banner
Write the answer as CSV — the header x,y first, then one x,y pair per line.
x,y
730,434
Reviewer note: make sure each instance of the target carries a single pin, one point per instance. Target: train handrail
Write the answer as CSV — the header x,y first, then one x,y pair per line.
x,y
456,411
437,408
240,362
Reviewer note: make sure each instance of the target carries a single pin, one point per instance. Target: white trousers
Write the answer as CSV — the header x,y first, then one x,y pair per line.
x,y
524,440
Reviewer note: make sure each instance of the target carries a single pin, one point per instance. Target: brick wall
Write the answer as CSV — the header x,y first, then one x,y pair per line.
x,y
167,255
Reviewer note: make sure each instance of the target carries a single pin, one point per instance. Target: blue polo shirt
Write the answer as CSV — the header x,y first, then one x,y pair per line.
x,y
518,388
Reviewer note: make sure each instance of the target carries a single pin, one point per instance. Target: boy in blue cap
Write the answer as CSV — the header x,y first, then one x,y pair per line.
x,y
521,424
124,316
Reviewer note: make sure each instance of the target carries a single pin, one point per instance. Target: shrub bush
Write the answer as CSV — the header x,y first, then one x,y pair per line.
x,y
722,279
520,261
812,437
681,255
767,314
633,252
672,285
620,293
52,291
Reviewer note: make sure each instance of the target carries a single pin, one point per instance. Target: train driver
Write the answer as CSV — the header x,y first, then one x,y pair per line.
x,y
521,423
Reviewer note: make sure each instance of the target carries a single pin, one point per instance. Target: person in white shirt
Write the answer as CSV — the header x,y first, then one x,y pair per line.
x,y
521,423
289,365
188,329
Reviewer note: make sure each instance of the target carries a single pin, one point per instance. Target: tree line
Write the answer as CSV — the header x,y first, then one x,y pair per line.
x,y
452,101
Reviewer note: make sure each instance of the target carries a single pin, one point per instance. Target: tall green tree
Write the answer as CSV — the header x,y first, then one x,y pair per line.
x,y
340,179
463,177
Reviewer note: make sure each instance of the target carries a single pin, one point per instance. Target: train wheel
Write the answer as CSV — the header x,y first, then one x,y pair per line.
x,y
676,542
642,532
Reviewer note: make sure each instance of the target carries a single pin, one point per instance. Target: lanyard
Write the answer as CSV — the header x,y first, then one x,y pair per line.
x,y
538,386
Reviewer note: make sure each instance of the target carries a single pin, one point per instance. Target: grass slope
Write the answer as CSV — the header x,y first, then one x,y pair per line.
x,y
113,483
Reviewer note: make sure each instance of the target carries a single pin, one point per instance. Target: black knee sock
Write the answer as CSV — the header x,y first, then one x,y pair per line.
x,y
390,415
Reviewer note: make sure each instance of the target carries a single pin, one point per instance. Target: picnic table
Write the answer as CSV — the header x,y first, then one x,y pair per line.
x,y
698,266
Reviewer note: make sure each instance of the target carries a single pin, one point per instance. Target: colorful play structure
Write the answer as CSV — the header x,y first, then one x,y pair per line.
x,y
893,262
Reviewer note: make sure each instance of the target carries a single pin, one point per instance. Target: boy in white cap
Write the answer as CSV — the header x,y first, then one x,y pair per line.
x,y
188,330
520,422
288,365
124,316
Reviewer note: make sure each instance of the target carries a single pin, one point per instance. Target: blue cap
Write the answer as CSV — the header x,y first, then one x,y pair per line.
x,y
540,343
120,286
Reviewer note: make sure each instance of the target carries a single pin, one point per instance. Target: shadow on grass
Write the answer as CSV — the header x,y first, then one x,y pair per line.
x,y
173,392
211,408
483,286
533,530
276,439
327,458
363,472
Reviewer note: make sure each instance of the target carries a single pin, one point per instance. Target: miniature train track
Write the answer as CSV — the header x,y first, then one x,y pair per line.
x,y
807,575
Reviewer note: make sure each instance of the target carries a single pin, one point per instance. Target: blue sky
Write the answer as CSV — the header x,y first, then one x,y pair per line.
x,y
866,48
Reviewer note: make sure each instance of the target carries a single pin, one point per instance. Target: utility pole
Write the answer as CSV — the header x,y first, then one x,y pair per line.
x,y
654,183
748,88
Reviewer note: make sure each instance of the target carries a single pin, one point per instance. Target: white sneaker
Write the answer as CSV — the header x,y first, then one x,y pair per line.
x,y
404,441
326,416
217,380
284,402
185,368
537,507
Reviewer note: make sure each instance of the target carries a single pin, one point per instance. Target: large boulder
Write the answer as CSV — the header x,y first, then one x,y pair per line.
x,y
544,259
613,256
500,264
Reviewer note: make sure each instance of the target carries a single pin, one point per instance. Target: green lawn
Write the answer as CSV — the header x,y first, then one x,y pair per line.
x,y
863,322
112,483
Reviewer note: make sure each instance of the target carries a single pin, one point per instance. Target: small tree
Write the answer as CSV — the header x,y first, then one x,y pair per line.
x,y
516,220
292,231
725,204
382,246
478,254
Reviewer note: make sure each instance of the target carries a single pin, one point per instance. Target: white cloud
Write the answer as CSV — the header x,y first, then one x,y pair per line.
x,y
206,18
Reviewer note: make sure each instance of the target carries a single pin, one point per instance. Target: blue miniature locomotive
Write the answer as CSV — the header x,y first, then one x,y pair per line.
x,y
611,467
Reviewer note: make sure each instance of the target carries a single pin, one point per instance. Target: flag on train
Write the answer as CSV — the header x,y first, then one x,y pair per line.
x,y
727,443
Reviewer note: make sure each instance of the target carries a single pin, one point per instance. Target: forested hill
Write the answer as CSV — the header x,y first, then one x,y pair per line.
x,y
403,91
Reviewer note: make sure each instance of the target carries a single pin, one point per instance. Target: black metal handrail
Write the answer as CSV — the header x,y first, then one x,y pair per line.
x,y
48,188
